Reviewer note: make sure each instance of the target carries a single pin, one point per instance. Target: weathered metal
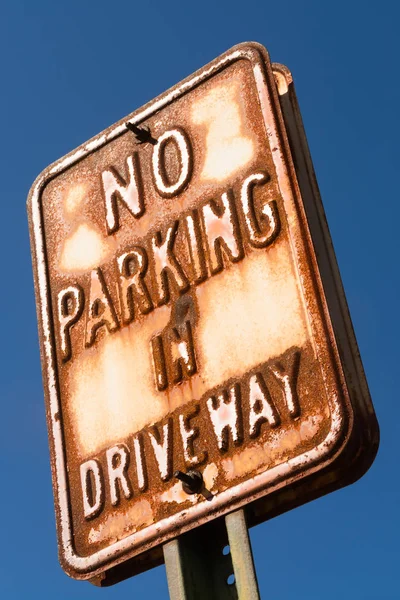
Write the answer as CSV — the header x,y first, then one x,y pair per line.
x,y
214,561
197,566
192,318
242,556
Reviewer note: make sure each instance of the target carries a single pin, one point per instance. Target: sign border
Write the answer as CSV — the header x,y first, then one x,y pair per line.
x,y
320,330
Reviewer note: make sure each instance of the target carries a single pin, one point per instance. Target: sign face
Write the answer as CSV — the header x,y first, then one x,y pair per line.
x,y
183,319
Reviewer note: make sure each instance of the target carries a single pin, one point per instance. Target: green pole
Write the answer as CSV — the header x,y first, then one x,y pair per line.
x,y
212,562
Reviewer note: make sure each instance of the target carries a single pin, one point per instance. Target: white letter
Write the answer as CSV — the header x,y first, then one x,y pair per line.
x,y
130,194
222,232
163,450
257,238
70,307
100,308
118,463
197,258
261,407
133,267
288,382
161,179
225,416
166,266
91,476
188,435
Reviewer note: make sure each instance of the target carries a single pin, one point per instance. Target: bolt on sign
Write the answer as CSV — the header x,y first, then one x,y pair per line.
x,y
192,320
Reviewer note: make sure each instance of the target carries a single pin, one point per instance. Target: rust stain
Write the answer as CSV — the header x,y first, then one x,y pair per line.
x,y
118,525
84,249
280,447
184,323
228,145
102,405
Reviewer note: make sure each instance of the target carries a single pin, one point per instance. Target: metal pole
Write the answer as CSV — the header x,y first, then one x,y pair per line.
x,y
242,556
213,562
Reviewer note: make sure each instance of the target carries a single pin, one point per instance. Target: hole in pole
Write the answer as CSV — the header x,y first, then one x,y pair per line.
x,y
226,550
231,579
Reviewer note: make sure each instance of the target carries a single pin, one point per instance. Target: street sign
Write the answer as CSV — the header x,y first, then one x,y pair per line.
x,y
196,346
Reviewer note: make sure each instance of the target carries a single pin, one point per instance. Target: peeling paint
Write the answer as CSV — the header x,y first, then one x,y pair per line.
x,y
84,249
176,494
102,404
210,475
281,444
74,198
228,148
261,305
238,330
118,525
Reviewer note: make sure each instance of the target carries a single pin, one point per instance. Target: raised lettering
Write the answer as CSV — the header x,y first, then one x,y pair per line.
x,y
166,266
163,449
222,232
70,307
196,252
257,237
225,417
262,409
92,488
132,267
188,435
159,364
129,193
118,463
182,351
288,382
164,186
100,309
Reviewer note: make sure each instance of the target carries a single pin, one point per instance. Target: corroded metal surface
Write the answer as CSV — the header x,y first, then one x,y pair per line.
x,y
242,556
185,321
214,561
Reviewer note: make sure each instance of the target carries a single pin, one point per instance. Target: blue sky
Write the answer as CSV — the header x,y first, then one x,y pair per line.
x,y
68,70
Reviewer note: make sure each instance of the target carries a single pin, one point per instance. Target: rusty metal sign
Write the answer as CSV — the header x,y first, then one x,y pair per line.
x,y
197,355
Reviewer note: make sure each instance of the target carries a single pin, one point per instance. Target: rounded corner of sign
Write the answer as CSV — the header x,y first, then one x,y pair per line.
x,y
283,78
74,565
363,451
33,199
335,443
375,437
369,450
252,51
